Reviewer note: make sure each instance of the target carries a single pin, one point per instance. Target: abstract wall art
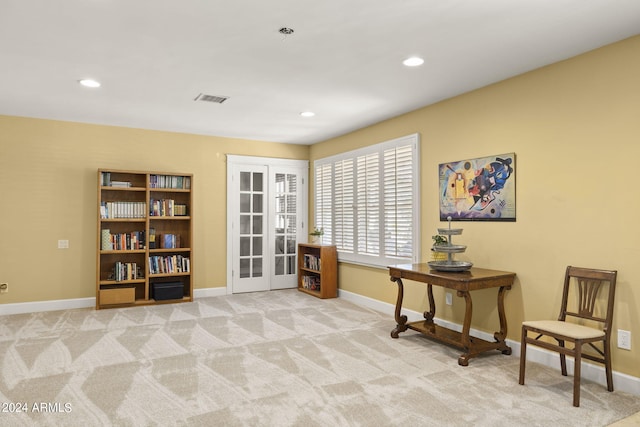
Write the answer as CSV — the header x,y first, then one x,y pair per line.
x,y
481,189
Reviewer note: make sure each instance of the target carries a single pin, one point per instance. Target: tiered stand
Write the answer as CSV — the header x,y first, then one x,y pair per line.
x,y
450,264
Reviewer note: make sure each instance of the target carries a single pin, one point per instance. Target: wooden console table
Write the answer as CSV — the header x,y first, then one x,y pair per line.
x,y
462,283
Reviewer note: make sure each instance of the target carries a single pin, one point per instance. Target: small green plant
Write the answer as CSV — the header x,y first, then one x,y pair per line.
x,y
439,240
317,232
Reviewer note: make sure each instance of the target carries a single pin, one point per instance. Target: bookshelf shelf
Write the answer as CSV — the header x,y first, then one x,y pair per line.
x,y
124,220
122,283
107,188
124,251
169,190
134,240
170,218
318,270
168,274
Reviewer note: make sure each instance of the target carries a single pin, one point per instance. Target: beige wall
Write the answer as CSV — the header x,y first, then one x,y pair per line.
x,y
575,129
48,191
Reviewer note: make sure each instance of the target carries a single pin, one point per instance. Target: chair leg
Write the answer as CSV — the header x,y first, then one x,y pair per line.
x,y
563,360
607,364
523,355
576,373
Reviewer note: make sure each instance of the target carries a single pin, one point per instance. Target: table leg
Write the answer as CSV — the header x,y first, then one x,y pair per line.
x,y
502,335
463,360
430,314
401,320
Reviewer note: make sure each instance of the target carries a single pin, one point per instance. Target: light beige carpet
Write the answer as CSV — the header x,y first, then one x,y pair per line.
x,y
278,358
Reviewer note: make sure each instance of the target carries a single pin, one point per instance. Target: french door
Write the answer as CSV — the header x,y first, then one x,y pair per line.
x,y
266,216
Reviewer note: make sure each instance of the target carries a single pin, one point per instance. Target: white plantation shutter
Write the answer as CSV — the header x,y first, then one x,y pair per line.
x,y
368,206
398,201
324,199
368,202
343,202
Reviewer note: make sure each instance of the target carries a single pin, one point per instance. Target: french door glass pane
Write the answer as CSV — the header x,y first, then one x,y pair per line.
x,y
257,224
245,246
291,203
279,184
245,270
291,245
280,223
257,246
257,267
291,264
292,180
245,224
257,203
291,224
245,203
279,245
257,182
279,266
245,181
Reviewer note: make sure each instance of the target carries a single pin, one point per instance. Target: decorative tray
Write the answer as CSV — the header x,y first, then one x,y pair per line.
x,y
449,231
449,248
450,265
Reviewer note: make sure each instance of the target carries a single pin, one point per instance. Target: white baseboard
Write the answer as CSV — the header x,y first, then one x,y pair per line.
x,y
70,304
54,305
210,292
590,371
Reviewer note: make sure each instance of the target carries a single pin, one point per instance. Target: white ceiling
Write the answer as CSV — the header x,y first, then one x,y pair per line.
x,y
343,61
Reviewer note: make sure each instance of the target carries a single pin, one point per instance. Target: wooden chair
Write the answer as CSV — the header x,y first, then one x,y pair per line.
x,y
584,284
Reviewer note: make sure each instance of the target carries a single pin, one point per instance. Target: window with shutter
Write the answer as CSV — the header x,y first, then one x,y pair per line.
x,y
368,202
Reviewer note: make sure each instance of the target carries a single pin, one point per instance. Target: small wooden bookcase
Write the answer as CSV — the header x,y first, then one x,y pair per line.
x,y
318,270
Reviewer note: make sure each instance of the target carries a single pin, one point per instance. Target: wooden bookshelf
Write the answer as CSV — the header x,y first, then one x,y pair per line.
x,y
144,238
318,270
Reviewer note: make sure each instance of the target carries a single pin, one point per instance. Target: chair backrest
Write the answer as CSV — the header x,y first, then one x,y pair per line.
x,y
588,283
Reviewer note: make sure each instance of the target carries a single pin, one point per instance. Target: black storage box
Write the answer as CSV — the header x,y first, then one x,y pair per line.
x,y
167,290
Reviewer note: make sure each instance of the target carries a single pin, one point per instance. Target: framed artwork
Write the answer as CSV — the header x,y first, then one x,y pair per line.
x,y
482,189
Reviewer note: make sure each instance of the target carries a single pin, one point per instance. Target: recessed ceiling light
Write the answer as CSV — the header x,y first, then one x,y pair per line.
x,y
307,114
89,83
414,61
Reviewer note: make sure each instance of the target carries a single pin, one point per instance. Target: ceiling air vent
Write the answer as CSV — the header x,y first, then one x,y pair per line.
x,y
211,98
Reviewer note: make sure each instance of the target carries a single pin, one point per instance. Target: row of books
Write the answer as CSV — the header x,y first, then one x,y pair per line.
x,y
112,210
170,181
169,241
163,241
167,207
126,271
155,181
311,262
311,282
169,264
105,181
122,241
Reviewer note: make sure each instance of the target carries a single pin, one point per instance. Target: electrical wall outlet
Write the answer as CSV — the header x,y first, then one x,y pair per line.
x,y
624,339
4,288
63,244
448,298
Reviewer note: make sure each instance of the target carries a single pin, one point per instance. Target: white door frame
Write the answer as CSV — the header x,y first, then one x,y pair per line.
x,y
237,160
